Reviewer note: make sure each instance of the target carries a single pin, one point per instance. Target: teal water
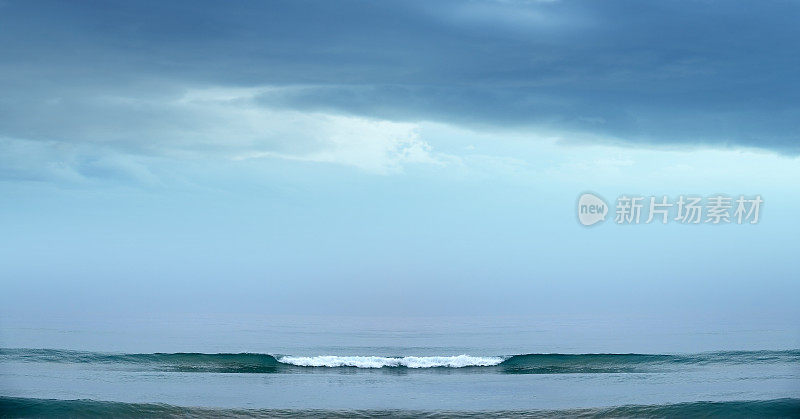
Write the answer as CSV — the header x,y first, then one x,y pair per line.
x,y
20,407
345,367
254,363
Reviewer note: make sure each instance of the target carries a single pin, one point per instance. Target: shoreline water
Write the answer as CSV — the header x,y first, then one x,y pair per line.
x,y
355,364
13,407
527,385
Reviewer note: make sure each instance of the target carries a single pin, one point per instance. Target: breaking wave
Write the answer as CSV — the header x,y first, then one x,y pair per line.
x,y
459,361
514,364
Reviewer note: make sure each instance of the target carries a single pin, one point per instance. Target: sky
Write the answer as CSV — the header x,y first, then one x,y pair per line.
x,y
394,158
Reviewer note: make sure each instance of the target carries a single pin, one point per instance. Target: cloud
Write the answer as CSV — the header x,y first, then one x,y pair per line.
x,y
303,79
372,145
236,126
97,132
43,161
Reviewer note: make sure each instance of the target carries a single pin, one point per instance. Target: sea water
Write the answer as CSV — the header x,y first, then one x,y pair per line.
x,y
200,365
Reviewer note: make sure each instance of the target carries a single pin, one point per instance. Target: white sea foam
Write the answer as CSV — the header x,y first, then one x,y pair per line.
x,y
458,361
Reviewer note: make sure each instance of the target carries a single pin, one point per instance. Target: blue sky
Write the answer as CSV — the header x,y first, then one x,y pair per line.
x,y
393,157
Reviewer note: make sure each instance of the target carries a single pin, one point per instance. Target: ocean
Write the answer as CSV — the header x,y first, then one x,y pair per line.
x,y
323,366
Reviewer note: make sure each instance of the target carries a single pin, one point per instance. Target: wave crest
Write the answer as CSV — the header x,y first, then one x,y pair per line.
x,y
458,361
552,363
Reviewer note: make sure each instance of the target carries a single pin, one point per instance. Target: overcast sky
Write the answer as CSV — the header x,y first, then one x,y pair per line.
x,y
386,157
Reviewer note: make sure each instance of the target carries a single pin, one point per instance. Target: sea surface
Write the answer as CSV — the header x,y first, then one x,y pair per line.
x,y
323,366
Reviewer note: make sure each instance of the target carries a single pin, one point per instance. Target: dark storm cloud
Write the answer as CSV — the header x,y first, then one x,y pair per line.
x,y
666,72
